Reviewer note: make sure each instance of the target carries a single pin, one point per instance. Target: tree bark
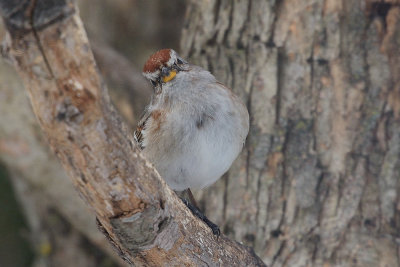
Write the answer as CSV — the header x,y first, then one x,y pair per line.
x,y
318,183
142,218
55,240
25,153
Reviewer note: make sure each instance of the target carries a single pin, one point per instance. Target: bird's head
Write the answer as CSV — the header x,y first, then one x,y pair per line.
x,y
162,67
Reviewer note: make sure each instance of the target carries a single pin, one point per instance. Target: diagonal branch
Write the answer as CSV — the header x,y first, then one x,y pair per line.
x,y
140,215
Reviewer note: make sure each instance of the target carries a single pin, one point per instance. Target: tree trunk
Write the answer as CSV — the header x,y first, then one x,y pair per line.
x,y
318,182
144,220
25,152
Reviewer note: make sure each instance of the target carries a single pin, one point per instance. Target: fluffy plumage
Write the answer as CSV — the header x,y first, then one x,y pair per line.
x,y
194,127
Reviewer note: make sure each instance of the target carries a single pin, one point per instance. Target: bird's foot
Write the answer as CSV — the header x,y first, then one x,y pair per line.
x,y
196,212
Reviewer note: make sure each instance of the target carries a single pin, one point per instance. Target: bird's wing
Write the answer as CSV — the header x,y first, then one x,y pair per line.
x,y
140,127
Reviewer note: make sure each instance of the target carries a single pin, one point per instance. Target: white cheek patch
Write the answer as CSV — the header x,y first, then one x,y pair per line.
x,y
152,75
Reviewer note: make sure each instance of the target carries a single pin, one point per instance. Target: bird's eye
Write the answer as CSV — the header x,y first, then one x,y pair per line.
x,y
179,61
154,83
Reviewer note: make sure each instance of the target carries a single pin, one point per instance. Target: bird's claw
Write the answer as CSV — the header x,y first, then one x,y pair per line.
x,y
215,229
195,211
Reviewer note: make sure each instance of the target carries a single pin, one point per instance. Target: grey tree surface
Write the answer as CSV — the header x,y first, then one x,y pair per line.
x,y
318,183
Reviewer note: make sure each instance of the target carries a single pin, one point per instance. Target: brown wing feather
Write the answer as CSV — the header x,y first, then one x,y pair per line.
x,y
139,128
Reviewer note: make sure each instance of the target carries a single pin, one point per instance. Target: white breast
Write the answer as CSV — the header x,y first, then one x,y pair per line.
x,y
192,153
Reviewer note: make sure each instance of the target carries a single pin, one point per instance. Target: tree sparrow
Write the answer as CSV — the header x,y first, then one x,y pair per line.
x,y
194,127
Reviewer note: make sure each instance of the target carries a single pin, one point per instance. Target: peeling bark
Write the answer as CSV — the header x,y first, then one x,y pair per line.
x,y
320,173
142,217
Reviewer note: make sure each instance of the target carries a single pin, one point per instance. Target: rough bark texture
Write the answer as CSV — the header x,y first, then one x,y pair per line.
x,y
142,218
318,182
25,153
34,168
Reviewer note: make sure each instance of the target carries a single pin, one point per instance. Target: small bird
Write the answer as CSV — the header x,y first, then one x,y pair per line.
x,y
194,127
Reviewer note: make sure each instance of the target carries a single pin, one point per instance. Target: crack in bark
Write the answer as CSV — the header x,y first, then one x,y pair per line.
x,y
284,172
258,192
209,64
246,22
342,240
277,12
217,8
323,197
268,207
232,70
279,74
257,198
31,12
248,146
248,157
289,256
380,9
225,39
276,256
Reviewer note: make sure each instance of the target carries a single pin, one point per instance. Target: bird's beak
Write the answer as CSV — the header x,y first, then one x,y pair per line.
x,y
167,74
